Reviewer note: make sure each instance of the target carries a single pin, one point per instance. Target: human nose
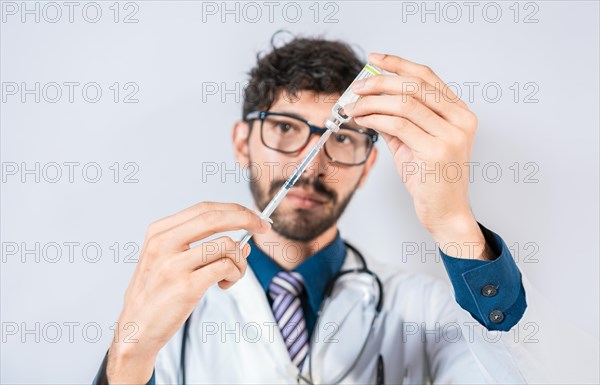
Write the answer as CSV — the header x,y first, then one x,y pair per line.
x,y
320,162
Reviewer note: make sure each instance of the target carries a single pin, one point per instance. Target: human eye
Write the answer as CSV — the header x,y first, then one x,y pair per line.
x,y
344,139
285,127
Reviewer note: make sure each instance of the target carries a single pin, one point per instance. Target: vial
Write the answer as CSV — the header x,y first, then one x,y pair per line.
x,y
338,117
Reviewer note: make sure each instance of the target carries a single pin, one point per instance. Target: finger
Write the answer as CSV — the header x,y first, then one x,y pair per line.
x,y
434,98
211,251
393,142
398,127
405,67
199,227
217,271
404,106
191,212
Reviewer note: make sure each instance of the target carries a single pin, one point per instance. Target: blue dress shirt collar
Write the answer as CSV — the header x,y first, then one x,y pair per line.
x,y
317,270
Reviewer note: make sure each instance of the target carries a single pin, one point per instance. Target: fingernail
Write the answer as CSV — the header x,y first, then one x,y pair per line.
x,y
377,56
349,107
358,84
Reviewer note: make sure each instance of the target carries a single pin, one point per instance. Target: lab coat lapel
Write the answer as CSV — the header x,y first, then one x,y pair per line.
x,y
254,307
333,330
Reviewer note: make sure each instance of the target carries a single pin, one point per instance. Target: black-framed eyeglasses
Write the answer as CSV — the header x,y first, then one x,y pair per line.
x,y
287,133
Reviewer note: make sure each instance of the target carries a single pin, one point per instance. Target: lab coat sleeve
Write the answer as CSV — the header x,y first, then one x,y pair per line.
x,y
102,379
491,291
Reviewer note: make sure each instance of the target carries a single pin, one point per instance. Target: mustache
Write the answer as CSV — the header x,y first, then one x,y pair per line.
x,y
317,184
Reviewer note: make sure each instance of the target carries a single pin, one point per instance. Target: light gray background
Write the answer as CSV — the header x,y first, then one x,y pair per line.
x,y
170,132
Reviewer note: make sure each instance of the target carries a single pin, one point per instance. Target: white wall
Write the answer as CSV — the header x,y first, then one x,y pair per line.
x,y
171,52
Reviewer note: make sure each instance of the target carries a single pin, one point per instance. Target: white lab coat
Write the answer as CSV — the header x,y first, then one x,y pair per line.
x,y
233,338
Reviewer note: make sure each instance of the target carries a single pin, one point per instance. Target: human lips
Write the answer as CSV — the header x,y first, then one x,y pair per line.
x,y
305,199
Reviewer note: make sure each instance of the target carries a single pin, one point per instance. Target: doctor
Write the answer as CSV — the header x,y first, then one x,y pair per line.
x,y
310,308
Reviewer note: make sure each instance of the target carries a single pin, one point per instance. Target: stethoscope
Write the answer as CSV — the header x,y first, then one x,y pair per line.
x,y
328,291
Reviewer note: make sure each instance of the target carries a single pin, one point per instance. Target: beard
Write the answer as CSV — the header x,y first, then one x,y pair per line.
x,y
302,225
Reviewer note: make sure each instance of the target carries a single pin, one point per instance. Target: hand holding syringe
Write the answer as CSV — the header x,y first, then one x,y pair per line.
x,y
333,125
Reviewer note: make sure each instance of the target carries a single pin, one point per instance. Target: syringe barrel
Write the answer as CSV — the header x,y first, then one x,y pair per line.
x,y
302,167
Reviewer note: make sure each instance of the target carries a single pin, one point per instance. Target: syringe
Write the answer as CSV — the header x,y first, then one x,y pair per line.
x,y
333,124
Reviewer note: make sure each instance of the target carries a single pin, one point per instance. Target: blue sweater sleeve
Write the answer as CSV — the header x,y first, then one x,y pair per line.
x,y
491,291
101,379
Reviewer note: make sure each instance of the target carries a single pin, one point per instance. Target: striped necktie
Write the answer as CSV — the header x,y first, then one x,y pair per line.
x,y
285,290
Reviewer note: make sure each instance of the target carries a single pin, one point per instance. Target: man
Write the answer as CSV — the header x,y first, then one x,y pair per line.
x,y
425,126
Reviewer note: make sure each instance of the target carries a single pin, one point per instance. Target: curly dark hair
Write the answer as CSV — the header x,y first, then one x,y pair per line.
x,y
312,64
